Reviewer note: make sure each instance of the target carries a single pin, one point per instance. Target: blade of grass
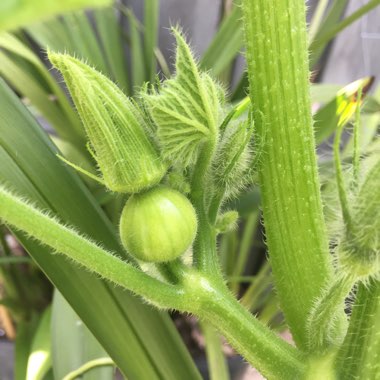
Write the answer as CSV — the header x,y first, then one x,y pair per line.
x,y
258,285
73,344
122,323
16,14
29,76
50,33
110,36
327,35
332,17
137,53
216,360
317,18
39,361
245,245
151,19
226,44
83,39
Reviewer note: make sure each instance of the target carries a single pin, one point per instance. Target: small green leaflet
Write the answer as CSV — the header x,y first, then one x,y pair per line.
x,y
186,109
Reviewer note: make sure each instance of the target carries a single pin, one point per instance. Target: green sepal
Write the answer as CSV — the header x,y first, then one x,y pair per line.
x,y
127,158
359,249
186,109
233,159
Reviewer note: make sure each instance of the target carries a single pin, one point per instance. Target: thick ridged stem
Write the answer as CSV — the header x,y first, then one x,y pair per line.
x,y
267,352
279,89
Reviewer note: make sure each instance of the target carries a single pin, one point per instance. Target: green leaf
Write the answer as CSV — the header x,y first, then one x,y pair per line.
x,y
186,109
73,344
151,20
137,52
132,333
23,69
83,39
39,361
110,36
225,45
14,13
329,29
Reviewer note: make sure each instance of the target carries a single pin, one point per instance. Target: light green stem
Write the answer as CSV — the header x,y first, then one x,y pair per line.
x,y
342,191
101,362
323,39
279,88
80,249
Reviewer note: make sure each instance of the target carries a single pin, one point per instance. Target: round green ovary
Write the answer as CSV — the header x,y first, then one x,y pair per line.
x,y
158,225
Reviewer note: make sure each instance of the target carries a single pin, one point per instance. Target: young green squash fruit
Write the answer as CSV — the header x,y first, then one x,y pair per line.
x,y
158,225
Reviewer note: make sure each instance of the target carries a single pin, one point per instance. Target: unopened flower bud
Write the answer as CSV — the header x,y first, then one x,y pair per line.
x,y
128,160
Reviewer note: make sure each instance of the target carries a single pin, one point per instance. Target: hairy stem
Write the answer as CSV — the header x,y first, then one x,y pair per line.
x,y
66,240
326,326
216,360
279,89
204,249
342,191
359,356
271,355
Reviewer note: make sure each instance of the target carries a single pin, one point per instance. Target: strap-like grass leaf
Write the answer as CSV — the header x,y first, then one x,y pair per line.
x,y
16,13
151,19
226,44
110,37
23,69
39,361
73,344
